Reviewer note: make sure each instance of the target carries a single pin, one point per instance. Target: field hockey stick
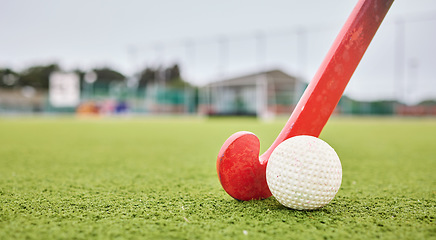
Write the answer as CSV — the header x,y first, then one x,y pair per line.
x,y
240,169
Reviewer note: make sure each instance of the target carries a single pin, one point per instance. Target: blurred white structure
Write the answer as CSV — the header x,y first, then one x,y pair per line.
x,y
64,89
262,94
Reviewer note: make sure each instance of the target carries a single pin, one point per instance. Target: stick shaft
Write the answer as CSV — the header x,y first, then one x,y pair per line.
x,y
326,88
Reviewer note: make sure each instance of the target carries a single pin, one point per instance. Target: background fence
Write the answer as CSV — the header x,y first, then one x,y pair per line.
x,y
398,70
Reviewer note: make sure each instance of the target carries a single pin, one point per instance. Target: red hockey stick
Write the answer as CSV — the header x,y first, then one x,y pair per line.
x,y
240,169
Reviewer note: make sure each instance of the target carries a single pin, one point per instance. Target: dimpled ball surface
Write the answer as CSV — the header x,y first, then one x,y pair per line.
x,y
304,173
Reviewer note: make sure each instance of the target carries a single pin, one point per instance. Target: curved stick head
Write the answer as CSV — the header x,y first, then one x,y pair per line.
x,y
240,172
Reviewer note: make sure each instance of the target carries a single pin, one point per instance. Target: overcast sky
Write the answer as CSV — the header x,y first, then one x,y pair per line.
x,y
127,35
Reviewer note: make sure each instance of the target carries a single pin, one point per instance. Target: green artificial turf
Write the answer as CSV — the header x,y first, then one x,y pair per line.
x,y
67,178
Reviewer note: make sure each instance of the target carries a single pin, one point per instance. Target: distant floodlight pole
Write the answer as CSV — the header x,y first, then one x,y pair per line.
x,y
261,79
133,80
301,49
190,57
223,45
301,63
90,78
223,50
412,78
399,61
190,54
159,49
160,74
261,50
132,50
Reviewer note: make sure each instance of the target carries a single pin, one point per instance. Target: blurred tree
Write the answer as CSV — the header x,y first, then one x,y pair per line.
x,y
170,76
37,76
172,72
428,103
81,75
148,75
107,75
174,78
8,78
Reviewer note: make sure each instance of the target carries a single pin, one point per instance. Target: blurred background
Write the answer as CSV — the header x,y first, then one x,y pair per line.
x,y
205,57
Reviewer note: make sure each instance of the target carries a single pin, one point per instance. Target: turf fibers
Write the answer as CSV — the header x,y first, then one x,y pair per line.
x,y
146,178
